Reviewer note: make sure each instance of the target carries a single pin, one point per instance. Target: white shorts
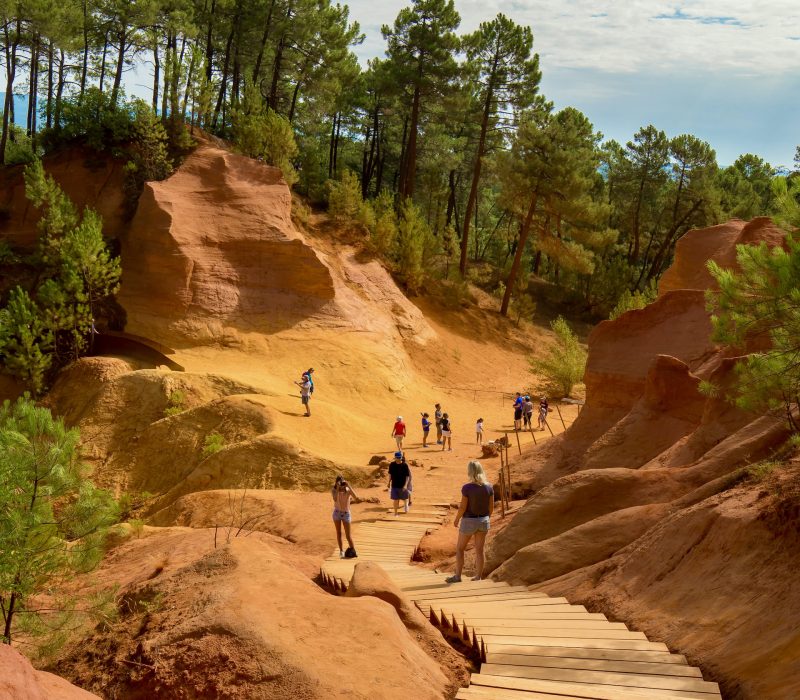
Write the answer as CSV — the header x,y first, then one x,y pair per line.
x,y
447,433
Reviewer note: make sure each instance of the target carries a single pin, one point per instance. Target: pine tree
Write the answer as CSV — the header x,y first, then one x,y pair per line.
x,y
26,340
53,518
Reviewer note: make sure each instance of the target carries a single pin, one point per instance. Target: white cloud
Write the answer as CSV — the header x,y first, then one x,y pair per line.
x,y
631,36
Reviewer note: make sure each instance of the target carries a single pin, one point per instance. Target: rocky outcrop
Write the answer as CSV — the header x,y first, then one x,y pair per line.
x,y
20,681
212,255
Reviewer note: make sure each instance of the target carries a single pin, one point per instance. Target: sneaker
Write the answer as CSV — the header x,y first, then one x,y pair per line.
x,y
405,508
449,449
453,579
341,554
476,578
438,442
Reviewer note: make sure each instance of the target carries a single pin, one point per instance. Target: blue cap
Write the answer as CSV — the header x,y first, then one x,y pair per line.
x,y
398,454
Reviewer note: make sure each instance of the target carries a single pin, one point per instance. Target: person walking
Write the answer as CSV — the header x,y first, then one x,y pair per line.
x,y
447,433
342,493
479,431
399,476
426,429
527,413
544,409
305,393
399,432
437,418
472,519
518,411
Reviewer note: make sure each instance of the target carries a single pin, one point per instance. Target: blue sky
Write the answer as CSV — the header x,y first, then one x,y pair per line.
x,y
727,71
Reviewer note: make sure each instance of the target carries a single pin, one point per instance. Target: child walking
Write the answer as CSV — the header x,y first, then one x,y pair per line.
x,y
479,431
426,429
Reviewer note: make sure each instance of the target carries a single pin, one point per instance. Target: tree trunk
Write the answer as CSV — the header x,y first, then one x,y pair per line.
x,y
123,47
11,70
103,61
59,89
30,122
294,100
276,75
189,79
237,65
409,172
476,176
156,73
224,83
85,61
209,42
634,256
330,146
263,46
524,231
50,84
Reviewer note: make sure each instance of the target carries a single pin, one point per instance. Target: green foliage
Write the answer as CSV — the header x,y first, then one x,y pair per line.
x,y
761,470
137,527
413,238
76,273
259,132
757,307
563,364
7,254
175,403
345,202
53,518
634,300
26,340
383,231
213,443
20,148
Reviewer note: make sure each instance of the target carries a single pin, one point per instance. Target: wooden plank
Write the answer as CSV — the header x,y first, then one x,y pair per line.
x,y
460,590
581,690
645,667
628,644
538,614
628,680
477,692
517,599
592,633
545,624
492,608
488,596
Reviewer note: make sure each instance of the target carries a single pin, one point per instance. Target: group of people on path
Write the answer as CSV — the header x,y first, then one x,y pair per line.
x,y
523,412
444,431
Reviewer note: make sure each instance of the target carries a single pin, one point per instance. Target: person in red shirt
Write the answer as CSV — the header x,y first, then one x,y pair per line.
x,y
399,432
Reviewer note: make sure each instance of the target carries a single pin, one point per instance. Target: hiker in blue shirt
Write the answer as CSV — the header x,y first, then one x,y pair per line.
x,y
426,428
518,402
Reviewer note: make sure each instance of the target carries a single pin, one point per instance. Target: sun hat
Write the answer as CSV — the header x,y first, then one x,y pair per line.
x,y
399,417
398,454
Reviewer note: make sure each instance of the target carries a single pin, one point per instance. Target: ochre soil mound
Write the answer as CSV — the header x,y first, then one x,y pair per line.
x,y
630,499
135,447
20,681
240,621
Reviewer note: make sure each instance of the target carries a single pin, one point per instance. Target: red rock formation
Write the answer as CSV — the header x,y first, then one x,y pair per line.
x,y
624,501
20,681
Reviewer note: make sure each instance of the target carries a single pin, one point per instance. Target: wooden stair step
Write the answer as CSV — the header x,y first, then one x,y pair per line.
x,y
617,666
592,633
633,680
627,644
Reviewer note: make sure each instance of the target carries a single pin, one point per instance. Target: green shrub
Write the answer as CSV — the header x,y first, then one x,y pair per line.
x,y
7,254
344,198
564,363
523,306
634,300
413,238
26,340
175,403
19,148
137,527
214,442
383,231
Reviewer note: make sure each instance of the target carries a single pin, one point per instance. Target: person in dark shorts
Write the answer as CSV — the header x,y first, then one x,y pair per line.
x,y
518,402
527,412
341,494
399,476
472,519
305,393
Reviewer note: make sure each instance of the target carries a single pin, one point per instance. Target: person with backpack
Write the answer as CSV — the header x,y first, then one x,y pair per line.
x,y
447,433
426,429
307,377
399,478
472,519
544,409
305,393
437,418
399,432
342,492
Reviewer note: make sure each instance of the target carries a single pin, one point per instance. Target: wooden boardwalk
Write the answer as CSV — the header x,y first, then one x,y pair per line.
x,y
531,645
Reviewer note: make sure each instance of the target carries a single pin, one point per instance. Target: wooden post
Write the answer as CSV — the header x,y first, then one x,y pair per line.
x,y
502,494
533,435
508,480
519,444
547,423
561,417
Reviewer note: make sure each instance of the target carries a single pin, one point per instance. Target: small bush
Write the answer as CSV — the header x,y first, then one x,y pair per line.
x,y
175,403
564,363
413,235
523,307
636,300
137,527
214,442
7,254
383,231
344,198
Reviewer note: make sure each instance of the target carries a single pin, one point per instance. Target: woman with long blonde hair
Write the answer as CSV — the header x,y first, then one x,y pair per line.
x,y
472,519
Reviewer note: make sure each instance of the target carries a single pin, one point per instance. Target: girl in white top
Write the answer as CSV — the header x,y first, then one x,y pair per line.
x,y
479,431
